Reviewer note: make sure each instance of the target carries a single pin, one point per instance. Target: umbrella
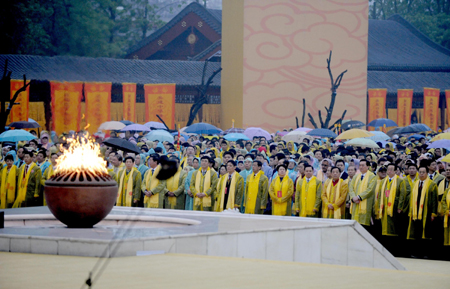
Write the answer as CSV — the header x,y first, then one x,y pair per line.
x,y
135,127
306,129
362,142
122,144
24,124
352,124
446,158
126,122
16,135
282,133
31,120
186,137
378,136
155,125
413,128
235,136
295,136
251,132
416,136
111,125
354,133
233,130
321,132
441,136
382,122
440,144
160,135
202,128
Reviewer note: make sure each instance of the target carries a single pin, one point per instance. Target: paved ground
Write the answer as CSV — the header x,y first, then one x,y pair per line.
x,y
19,270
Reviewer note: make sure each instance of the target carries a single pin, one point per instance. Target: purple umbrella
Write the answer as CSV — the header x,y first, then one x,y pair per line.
x,y
307,129
440,144
135,127
155,125
282,133
257,131
232,130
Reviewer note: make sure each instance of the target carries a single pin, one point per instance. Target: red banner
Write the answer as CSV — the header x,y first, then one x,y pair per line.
x,y
431,107
160,100
404,106
377,104
129,101
66,106
447,97
19,111
98,104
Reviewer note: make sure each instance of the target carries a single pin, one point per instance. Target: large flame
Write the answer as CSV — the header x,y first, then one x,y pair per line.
x,y
83,155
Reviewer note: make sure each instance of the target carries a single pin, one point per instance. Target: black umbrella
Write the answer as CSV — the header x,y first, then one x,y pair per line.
x,y
24,124
321,132
126,122
352,124
413,128
122,144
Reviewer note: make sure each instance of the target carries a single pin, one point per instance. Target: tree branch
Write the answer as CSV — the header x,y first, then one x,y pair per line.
x,y
339,121
163,122
16,95
296,121
320,119
311,119
304,111
329,68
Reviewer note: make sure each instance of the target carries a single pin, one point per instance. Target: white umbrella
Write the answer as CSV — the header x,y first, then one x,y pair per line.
x,y
111,125
295,136
362,142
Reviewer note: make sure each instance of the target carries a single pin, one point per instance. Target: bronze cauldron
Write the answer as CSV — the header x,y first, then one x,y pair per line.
x,y
80,199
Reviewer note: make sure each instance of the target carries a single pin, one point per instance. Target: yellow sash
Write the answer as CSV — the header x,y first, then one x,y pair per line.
x,y
391,198
320,175
23,183
309,200
231,193
337,211
279,209
151,182
128,191
8,187
411,183
362,187
448,208
206,200
415,194
172,185
441,191
253,189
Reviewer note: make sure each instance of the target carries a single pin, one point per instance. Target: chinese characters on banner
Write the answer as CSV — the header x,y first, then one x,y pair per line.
x,y
98,104
447,97
19,111
160,100
431,107
404,106
129,101
66,106
377,104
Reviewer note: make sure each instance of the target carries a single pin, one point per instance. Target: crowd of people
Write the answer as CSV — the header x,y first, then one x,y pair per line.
x,y
398,192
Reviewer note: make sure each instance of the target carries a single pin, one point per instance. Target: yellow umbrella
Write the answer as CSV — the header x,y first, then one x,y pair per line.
x,y
441,136
446,159
354,133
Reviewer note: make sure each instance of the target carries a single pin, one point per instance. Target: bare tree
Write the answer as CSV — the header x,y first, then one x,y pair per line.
x,y
202,93
334,86
6,102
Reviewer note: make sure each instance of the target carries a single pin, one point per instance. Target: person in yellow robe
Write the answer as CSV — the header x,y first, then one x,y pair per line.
x,y
387,203
117,165
446,212
129,189
189,151
174,197
8,183
49,172
281,191
29,183
153,189
410,180
422,212
230,189
362,194
256,190
203,185
334,195
433,174
308,194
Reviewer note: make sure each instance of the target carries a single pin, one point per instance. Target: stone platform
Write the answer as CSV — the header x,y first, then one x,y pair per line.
x,y
138,231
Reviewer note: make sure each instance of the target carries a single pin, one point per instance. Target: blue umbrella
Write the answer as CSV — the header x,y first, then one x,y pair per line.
x,y
236,136
186,137
135,127
413,128
378,136
16,135
321,132
160,135
416,136
440,144
126,122
202,128
381,122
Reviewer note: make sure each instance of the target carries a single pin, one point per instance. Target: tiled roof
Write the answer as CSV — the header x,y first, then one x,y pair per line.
x,y
211,16
72,68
